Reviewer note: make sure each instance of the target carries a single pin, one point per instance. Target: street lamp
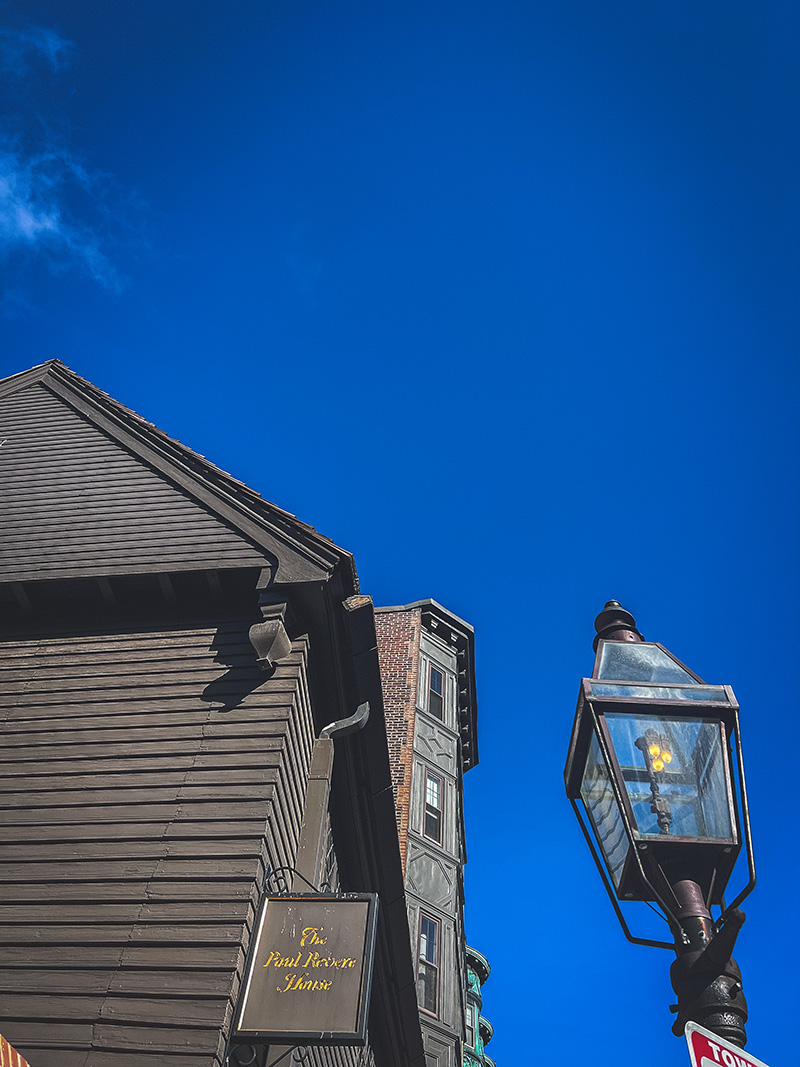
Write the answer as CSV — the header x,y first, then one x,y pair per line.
x,y
651,764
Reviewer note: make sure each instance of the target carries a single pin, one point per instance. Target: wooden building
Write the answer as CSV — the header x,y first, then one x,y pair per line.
x,y
170,646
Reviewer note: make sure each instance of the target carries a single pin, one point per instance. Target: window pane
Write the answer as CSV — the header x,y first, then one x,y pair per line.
x,y
427,987
428,973
433,808
676,766
433,825
436,693
437,680
428,930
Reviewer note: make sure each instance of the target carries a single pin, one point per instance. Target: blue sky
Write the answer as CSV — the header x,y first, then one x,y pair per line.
x,y
504,299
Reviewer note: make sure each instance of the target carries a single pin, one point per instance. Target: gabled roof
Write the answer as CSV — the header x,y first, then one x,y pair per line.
x,y
268,532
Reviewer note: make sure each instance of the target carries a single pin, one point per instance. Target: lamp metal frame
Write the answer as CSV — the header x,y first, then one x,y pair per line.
x,y
728,715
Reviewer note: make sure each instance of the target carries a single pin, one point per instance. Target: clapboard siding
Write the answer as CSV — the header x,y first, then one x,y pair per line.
x,y
192,983
148,776
74,501
147,959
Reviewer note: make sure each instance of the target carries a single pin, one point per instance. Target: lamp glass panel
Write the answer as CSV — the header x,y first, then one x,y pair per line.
x,y
640,662
598,797
697,693
677,765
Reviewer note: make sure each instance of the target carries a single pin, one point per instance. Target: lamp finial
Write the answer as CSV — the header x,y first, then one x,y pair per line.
x,y
614,623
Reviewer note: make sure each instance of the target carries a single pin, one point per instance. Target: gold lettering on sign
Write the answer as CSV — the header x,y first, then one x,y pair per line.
x,y
295,982
315,960
277,960
312,936
296,976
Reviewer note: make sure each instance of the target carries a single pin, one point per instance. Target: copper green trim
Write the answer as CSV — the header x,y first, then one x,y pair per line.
x,y
478,963
486,1030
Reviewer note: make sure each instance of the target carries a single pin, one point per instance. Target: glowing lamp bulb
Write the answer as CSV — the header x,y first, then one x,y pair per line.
x,y
666,756
658,765
654,750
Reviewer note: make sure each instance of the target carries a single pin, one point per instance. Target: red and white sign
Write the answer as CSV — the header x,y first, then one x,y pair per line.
x,y
708,1050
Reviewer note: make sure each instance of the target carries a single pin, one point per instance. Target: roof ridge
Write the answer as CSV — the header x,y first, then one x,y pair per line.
x,y
31,374
108,399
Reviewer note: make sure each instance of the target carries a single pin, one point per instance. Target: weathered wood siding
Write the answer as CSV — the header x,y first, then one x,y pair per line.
x,y
75,502
146,777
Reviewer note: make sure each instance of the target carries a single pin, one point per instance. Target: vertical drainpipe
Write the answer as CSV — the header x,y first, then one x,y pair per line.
x,y
311,849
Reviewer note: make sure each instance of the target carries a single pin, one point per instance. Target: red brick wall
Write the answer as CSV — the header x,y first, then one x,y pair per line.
x,y
398,653
9,1057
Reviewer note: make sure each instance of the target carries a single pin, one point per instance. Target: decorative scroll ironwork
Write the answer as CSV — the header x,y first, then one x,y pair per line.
x,y
278,882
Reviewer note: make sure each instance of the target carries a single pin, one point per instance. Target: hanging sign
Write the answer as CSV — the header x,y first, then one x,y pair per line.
x,y
309,971
708,1050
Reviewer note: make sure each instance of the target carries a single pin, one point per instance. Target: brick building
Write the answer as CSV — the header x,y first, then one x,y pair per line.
x,y
170,646
428,670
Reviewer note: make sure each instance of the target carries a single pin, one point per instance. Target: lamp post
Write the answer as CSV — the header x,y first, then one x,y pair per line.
x,y
656,779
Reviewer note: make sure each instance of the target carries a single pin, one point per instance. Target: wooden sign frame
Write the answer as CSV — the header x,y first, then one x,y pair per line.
x,y
317,951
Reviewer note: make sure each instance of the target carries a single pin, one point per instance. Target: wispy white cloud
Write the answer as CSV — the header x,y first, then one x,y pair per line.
x,y
22,49
53,207
35,190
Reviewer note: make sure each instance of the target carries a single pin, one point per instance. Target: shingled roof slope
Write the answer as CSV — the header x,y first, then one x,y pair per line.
x,y
302,553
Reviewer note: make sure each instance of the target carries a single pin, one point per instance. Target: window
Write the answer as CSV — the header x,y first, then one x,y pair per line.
x,y
428,973
470,1027
432,825
436,692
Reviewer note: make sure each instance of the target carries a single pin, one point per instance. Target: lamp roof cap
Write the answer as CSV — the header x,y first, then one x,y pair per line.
x,y
615,620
